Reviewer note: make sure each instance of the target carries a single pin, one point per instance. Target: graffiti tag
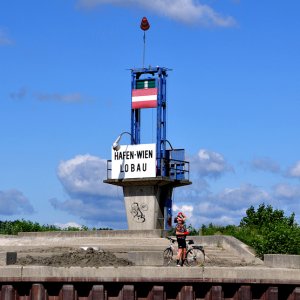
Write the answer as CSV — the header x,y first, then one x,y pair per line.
x,y
137,212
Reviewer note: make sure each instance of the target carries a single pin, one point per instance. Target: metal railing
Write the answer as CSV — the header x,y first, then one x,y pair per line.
x,y
108,169
178,169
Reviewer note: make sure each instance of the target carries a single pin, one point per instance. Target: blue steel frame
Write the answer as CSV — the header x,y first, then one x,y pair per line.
x,y
160,75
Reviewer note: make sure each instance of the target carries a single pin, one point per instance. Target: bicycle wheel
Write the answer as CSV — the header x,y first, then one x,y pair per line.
x,y
195,257
168,255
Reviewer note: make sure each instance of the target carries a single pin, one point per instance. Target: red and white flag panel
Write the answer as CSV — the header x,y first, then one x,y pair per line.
x,y
144,98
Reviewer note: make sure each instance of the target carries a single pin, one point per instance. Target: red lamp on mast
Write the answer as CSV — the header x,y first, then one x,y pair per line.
x,y
145,25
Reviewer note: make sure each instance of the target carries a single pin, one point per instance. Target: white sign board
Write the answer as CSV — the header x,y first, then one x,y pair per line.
x,y
134,161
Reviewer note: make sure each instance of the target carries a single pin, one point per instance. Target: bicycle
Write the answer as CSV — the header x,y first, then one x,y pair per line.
x,y
195,254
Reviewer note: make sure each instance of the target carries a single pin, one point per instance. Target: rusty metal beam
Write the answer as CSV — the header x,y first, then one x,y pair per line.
x,y
85,290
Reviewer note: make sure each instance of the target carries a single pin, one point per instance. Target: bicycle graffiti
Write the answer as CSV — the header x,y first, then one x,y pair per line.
x,y
137,212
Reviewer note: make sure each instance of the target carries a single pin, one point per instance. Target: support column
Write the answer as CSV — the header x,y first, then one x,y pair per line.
x,y
145,206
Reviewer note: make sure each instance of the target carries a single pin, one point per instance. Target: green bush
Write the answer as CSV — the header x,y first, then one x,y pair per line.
x,y
14,227
273,231
267,230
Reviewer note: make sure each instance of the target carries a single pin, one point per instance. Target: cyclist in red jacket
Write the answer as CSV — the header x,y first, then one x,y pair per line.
x,y
181,234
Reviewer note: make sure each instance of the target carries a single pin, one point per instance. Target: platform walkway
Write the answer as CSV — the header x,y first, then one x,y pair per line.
x,y
219,251
231,272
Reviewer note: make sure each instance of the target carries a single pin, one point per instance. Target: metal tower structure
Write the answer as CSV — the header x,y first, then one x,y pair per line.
x,y
148,194
152,78
148,173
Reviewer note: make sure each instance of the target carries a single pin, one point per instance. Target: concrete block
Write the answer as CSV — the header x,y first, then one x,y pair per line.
x,y
10,272
11,258
282,261
2,258
8,258
146,258
118,274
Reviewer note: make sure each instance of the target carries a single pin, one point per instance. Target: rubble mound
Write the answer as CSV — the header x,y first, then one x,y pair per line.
x,y
76,257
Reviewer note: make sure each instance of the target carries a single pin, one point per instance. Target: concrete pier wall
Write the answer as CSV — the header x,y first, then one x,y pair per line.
x,y
282,261
145,206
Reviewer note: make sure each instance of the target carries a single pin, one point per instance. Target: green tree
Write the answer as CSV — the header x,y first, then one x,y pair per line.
x,y
270,231
266,229
14,227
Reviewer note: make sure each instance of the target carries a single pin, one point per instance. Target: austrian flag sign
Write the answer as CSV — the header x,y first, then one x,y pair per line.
x,y
144,98
134,161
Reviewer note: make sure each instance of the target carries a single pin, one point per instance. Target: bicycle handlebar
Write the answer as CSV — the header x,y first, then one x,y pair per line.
x,y
171,239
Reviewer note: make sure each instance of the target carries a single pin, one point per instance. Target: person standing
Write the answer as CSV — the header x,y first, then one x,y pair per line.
x,y
181,233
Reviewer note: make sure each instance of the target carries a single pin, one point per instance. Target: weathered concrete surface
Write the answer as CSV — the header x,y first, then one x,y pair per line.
x,y
154,233
143,206
146,258
282,261
110,244
10,272
2,258
244,252
224,251
208,274
144,199
8,258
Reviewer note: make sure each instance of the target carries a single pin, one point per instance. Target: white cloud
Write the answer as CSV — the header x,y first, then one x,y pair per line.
x,y
241,197
97,211
286,191
186,209
23,92
5,40
265,164
199,186
102,205
67,225
92,200
294,171
209,163
216,214
229,205
19,94
68,98
286,197
13,202
84,174
186,11
206,211
225,207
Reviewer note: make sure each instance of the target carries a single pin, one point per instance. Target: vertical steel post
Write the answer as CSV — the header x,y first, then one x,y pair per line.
x,y
158,126
164,116
132,110
161,122
135,117
7,292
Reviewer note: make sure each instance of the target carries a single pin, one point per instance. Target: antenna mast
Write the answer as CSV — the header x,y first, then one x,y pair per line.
x,y
144,26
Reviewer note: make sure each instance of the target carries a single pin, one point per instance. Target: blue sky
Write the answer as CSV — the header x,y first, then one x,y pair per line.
x,y
233,104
